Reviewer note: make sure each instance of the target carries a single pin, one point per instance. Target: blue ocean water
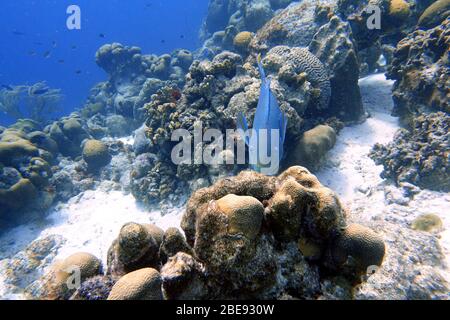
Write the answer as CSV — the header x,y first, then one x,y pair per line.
x,y
36,45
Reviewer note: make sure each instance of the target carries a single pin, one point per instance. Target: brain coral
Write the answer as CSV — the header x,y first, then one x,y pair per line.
x,y
143,284
293,63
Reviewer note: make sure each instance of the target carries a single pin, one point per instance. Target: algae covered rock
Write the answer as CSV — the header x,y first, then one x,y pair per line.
x,y
183,278
237,226
96,154
143,284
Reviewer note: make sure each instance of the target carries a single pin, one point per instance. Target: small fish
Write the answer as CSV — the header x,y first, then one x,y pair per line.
x,y
163,41
101,35
78,72
182,36
54,44
32,53
18,33
61,61
47,54
73,47
268,117
39,92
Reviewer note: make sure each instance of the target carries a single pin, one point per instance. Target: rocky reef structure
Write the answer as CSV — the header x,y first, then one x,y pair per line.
x,y
135,77
421,155
421,69
315,25
248,236
226,19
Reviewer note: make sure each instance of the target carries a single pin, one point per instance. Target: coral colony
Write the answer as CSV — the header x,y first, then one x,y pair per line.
x,y
297,154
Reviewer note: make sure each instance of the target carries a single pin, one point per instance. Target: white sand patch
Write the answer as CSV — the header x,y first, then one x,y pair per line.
x,y
89,222
355,177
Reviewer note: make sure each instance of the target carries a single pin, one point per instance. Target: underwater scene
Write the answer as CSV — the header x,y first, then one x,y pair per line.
x,y
225,150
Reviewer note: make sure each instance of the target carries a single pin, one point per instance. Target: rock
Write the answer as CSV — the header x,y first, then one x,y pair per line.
x,y
96,154
246,229
303,208
334,45
141,143
143,284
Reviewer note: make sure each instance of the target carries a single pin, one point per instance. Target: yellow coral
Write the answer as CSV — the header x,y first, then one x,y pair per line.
x,y
399,9
242,40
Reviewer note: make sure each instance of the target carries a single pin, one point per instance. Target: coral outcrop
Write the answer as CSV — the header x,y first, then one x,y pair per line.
x,y
419,155
237,226
421,69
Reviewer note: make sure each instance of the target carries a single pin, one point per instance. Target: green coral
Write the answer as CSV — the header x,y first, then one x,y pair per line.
x,y
11,151
96,154
17,196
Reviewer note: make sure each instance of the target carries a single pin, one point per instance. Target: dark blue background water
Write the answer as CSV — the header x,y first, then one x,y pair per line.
x,y
157,26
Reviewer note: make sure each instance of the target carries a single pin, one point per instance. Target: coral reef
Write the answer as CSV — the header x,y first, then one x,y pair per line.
x,y
419,156
421,70
238,224
26,154
135,77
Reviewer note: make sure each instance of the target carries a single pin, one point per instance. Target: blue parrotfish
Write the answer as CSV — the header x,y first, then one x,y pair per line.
x,y
270,120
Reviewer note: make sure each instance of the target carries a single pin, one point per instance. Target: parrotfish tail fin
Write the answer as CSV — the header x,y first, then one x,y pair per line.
x,y
261,69
242,124
283,128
